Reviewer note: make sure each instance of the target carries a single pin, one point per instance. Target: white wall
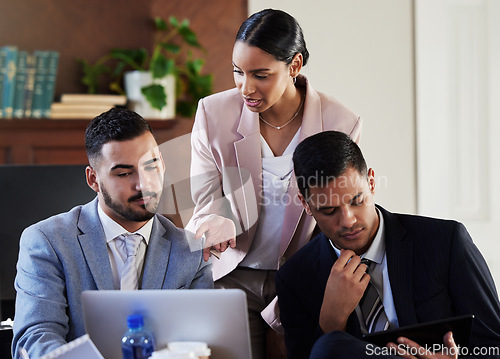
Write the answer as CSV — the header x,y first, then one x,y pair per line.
x,y
458,86
362,54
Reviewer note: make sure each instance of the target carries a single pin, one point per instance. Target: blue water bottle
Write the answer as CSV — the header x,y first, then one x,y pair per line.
x,y
137,343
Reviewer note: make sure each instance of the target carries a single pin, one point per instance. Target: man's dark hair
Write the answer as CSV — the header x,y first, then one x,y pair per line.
x,y
117,124
325,156
275,32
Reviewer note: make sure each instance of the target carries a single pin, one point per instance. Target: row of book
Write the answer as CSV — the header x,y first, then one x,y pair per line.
x,y
27,82
84,106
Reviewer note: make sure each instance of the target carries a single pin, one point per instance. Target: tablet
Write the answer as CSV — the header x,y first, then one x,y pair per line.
x,y
429,333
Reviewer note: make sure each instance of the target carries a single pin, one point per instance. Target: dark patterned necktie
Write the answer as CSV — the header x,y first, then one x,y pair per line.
x,y
372,308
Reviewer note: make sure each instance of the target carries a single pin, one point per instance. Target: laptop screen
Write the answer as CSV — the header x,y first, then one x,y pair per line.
x,y
217,317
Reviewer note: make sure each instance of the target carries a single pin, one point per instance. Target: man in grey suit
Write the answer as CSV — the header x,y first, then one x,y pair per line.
x,y
84,249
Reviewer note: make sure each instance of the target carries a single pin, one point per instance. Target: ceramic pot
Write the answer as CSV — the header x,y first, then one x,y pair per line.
x,y
135,80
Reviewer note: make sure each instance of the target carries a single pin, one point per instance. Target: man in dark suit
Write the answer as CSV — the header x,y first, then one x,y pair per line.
x,y
420,269
117,241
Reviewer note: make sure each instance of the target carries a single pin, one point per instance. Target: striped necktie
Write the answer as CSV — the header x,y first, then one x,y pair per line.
x,y
129,275
372,308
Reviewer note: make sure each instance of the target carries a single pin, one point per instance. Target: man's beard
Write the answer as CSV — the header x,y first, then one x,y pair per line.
x,y
127,212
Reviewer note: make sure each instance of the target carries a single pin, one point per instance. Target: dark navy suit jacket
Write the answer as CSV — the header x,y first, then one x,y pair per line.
x,y
435,272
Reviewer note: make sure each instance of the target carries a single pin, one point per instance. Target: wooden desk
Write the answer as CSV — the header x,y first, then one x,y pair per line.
x,y
46,141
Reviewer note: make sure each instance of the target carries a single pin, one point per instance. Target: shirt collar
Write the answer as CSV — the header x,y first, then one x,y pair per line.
x,y
377,249
113,229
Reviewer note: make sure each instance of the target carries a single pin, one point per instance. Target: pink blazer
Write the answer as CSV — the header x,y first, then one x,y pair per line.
x,y
226,168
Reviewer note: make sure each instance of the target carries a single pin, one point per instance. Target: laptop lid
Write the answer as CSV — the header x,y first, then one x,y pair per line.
x,y
216,316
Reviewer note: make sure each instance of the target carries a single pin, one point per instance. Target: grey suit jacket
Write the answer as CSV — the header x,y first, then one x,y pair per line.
x,y
66,254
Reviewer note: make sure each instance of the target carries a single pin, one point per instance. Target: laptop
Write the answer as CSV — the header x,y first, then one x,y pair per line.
x,y
218,317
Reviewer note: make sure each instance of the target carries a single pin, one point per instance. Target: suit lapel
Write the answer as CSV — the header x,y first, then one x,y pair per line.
x,y
400,267
250,168
94,247
312,123
292,220
312,119
157,257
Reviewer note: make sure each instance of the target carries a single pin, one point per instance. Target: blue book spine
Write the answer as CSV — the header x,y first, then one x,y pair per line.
x,y
41,59
3,57
18,105
9,79
30,84
50,82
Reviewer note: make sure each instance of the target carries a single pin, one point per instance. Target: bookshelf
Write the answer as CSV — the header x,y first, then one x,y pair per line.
x,y
83,29
45,141
88,29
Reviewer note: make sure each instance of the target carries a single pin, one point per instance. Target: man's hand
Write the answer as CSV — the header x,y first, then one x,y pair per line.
x,y
407,348
344,289
220,233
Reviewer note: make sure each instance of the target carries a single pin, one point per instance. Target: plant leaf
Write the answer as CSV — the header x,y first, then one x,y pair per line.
x,y
172,38
193,88
174,22
195,66
172,68
134,58
161,66
91,75
185,108
184,24
120,66
189,36
160,24
155,95
115,87
200,86
173,48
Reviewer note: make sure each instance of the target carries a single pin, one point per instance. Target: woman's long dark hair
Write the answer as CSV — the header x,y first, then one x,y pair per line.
x,y
275,32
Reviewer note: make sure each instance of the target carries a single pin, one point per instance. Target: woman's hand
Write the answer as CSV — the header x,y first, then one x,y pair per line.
x,y
220,233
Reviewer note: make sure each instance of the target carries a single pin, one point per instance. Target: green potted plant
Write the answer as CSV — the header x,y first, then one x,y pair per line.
x,y
171,57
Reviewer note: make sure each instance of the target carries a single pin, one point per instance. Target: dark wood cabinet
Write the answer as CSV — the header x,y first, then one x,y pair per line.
x,y
44,141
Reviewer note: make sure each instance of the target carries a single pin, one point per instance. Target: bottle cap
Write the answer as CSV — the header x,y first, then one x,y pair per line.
x,y
135,321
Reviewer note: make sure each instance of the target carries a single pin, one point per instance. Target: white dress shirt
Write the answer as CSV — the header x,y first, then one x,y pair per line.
x,y
112,231
276,175
378,271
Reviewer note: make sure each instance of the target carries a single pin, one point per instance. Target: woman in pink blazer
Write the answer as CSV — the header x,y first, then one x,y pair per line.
x,y
242,179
